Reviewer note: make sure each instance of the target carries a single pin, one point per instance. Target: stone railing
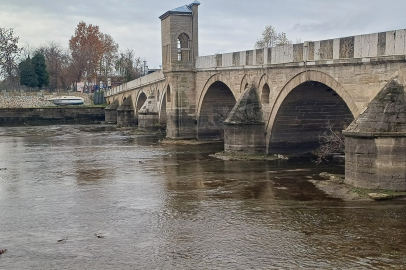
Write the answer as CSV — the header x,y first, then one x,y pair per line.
x,y
142,81
389,43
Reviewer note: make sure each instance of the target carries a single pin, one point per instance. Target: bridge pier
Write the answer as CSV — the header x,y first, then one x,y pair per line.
x,y
180,108
375,142
110,112
148,115
125,113
245,126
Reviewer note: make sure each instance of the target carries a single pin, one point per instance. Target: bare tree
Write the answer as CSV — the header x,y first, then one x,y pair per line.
x,y
26,51
65,76
270,38
9,53
57,60
109,57
331,141
128,66
283,40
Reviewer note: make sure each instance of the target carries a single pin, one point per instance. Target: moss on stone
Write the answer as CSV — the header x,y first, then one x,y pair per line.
x,y
385,113
391,194
248,109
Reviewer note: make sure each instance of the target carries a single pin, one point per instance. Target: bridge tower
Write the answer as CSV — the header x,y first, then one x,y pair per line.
x,y
179,28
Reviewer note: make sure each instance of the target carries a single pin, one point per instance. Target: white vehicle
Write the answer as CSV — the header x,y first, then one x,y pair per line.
x,y
67,100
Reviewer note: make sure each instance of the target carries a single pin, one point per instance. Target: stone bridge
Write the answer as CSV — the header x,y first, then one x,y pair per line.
x,y
273,100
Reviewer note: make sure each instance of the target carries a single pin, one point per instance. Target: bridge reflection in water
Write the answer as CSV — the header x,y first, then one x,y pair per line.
x,y
174,207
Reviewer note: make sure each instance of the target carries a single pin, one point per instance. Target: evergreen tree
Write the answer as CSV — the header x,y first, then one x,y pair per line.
x,y
38,63
27,73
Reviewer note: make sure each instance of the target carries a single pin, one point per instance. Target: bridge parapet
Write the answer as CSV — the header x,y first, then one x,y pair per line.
x,y
384,44
142,81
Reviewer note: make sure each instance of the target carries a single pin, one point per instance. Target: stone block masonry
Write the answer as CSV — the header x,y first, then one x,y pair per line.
x,y
34,99
375,142
361,46
54,115
245,126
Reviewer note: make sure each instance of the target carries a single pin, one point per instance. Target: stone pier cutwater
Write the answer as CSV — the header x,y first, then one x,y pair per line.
x,y
299,90
245,126
111,112
125,113
148,115
375,143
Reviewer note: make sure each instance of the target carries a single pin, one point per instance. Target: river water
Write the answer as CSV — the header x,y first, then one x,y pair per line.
x,y
159,206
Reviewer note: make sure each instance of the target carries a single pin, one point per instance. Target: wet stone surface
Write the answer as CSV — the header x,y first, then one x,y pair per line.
x,y
94,197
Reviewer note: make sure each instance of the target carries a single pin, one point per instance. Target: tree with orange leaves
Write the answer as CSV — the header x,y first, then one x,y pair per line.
x,y
87,50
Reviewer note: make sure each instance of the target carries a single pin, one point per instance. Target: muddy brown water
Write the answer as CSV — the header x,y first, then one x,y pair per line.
x,y
158,206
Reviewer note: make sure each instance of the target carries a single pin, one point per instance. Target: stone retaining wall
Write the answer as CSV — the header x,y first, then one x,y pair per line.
x,y
35,99
52,115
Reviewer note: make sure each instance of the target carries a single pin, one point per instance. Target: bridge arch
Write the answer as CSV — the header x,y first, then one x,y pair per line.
x,y
244,83
141,98
162,99
214,78
303,109
264,90
215,104
168,93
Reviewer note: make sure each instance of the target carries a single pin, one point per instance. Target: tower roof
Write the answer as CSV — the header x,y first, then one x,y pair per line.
x,y
183,10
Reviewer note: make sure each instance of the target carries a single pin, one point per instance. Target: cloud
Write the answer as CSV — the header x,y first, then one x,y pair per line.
x,y
224,26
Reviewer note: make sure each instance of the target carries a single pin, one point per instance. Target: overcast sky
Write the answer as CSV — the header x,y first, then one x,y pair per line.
x,y
224,25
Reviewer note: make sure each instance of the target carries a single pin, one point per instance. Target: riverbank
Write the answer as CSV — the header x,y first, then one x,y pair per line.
x,y
248,157
187,142
334,186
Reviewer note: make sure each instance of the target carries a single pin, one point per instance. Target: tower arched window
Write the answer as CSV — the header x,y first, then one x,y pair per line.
x,y
183,48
